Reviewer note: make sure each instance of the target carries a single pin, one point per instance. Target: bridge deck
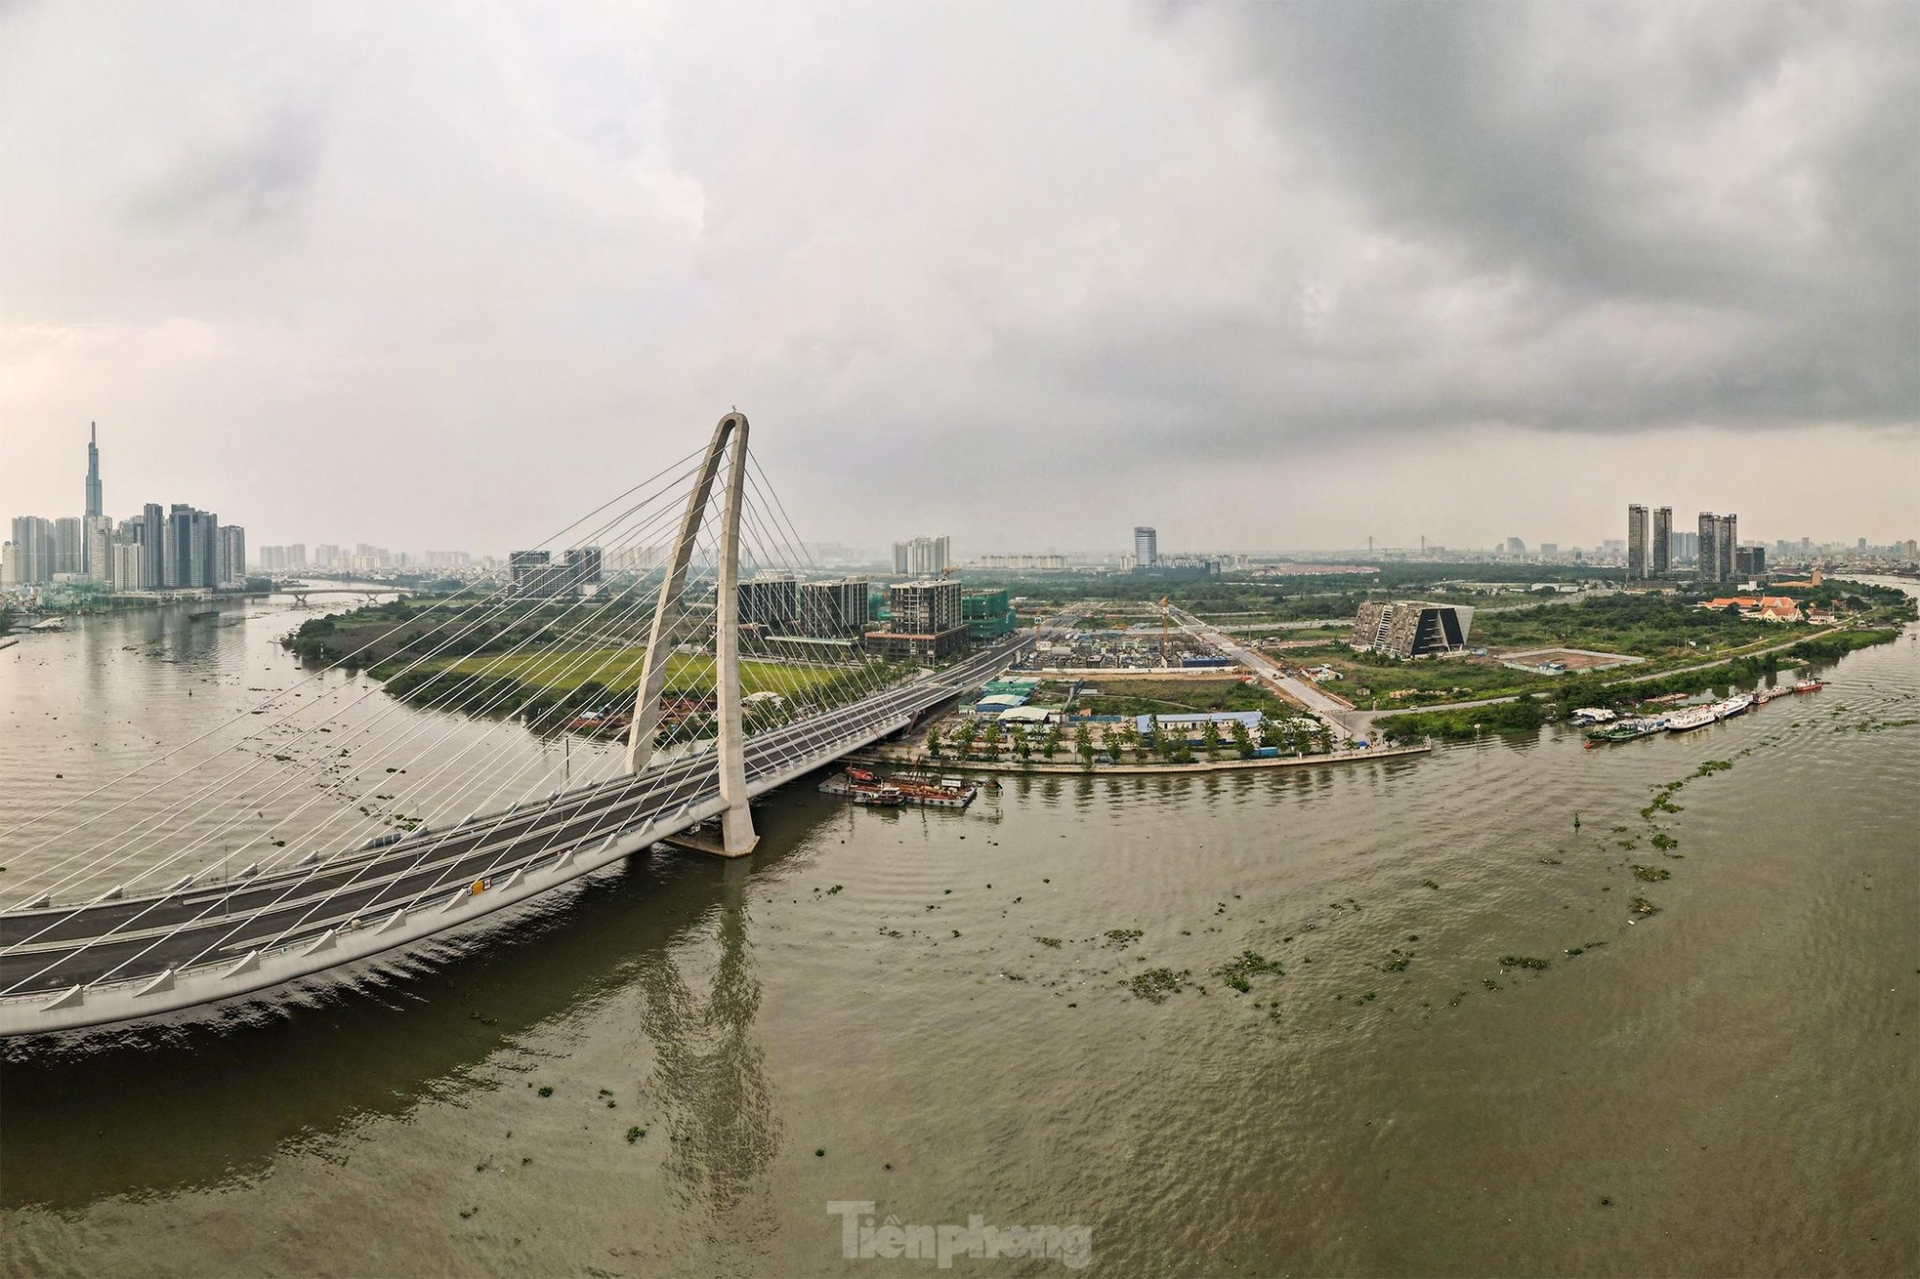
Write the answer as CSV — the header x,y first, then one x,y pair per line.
x,y
60,948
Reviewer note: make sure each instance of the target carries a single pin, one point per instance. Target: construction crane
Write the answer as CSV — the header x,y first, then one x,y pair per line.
x,y
1165,634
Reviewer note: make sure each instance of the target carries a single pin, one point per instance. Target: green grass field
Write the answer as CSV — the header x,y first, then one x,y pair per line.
x,y
618,670
1172,697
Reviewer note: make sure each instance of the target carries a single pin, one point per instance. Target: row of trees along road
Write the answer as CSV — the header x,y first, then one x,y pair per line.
x,y
985,739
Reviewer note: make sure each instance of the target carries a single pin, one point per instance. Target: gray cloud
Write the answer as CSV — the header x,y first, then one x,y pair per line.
x,y
259,177
1015,268
1745,171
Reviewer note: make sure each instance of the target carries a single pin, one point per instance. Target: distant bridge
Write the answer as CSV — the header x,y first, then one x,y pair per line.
x,y
121,952
370,593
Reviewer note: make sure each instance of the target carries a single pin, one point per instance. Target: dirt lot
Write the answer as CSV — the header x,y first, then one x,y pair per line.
x,y
1574,659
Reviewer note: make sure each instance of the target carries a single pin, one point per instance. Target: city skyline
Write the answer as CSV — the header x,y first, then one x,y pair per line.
x,y
1282,302
324,555
155,548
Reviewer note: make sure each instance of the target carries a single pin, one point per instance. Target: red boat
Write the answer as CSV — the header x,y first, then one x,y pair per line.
x,y
1807,686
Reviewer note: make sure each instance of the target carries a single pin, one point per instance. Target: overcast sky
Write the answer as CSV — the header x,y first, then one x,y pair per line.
x,y
1274,275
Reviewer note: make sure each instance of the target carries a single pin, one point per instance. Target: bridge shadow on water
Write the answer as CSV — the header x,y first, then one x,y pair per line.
x,y
213,1096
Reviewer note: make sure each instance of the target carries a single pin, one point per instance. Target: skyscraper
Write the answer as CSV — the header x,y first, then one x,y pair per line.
x,y
128,567
1662,541
1146,546
1707,569
178,569
923,556
207,529
153,546
69,546
191,558
1727,544
99,557
233,556
94,507
33,549
1636,541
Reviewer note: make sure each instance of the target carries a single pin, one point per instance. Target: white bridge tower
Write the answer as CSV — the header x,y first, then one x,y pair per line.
x,y
737,836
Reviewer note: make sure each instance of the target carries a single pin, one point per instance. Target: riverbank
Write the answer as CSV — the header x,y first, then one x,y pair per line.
x,y
1660,635
1528,711
920,759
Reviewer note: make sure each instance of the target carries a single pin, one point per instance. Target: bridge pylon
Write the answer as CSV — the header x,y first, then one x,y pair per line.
x,y
738,837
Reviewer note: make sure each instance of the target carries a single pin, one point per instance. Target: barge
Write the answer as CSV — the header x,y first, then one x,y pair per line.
x,y
872,789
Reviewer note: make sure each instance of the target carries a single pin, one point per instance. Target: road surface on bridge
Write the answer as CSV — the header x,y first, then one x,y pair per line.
x,y
62,948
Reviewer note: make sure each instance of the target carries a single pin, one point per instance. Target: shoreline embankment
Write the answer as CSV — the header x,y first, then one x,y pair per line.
x,y
920,759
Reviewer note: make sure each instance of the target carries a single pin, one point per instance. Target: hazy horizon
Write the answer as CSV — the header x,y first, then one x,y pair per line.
x,y
1264,277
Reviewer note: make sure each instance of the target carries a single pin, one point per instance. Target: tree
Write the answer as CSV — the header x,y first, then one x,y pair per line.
x,y
1022,746
990,739
1210,737
6,619
1242,740
1083,744
1051,742
933,742
1283,735
964,739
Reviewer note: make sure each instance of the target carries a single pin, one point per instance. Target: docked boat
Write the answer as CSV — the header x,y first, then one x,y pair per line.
x,y
1594,715
865,787
1738,704
932,792
1628,729
873,794
1808,686
1691,718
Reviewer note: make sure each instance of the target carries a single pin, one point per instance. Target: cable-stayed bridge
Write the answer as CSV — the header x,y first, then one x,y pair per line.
x,y
126,913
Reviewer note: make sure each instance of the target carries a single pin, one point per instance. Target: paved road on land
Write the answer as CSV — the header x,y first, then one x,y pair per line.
x,y
1330,712
1268,628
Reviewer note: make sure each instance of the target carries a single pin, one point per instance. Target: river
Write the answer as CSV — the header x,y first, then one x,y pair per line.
x,y
675,1067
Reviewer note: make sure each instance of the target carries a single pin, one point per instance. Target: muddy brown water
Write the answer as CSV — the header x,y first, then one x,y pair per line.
x,y
943,1004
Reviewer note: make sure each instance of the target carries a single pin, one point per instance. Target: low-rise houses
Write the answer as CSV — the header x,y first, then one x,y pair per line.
x,y
1764,608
